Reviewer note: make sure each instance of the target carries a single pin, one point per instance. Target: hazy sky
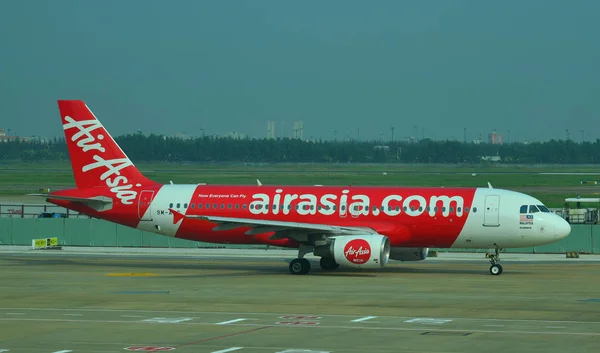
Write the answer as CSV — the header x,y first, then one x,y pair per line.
x,y
528,66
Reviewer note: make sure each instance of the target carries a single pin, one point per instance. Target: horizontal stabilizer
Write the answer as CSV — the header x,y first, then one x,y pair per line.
x,y
99,203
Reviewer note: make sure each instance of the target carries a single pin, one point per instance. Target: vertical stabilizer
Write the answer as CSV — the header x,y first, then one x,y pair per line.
x,y
96,159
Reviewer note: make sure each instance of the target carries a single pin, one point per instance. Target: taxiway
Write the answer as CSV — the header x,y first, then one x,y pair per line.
x,y
107,300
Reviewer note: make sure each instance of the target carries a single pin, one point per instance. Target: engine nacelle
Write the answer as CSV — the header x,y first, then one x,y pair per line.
x,y
367,251
409,254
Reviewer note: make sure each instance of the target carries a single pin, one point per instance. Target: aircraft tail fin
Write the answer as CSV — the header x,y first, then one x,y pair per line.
x,y
96,159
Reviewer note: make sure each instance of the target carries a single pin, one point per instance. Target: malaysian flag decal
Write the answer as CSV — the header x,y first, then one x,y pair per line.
x,y
526,217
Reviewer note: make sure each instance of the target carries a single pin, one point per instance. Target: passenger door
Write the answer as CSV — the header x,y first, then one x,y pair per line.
x,y
491,215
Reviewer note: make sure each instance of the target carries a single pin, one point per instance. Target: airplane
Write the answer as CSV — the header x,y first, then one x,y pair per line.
x,y
350,226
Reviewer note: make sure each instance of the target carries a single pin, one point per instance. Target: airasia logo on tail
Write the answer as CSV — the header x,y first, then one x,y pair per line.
x,y
111,176
357,251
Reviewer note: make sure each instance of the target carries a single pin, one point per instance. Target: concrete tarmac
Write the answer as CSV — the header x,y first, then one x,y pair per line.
x,y
108,300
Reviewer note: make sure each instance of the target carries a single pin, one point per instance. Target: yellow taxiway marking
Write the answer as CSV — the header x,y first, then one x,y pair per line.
x,y
131,274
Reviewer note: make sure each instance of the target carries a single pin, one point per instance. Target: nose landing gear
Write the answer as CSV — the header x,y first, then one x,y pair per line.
x,y
496,268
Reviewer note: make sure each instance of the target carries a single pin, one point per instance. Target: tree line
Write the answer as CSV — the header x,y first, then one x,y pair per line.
x,y
153,148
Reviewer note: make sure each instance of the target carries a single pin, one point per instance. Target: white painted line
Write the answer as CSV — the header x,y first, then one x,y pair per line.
x,y
364,318
427,321
229,322
131,316
106,310
372,328
167,320
73,314
555,327
495,325
66,351
228,350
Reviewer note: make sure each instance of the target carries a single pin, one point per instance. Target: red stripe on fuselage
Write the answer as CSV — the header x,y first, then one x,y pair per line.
x,y
405,227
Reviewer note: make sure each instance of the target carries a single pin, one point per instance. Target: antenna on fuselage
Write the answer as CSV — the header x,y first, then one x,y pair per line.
x,y
490,185
171,181
259,183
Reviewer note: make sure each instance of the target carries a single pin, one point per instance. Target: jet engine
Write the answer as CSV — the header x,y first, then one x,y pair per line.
x,y
409,254
367,251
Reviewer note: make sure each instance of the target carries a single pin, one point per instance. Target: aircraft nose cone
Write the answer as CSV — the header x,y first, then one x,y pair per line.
x,y
562,229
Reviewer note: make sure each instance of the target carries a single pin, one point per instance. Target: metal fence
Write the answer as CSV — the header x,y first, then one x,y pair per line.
x,y
584,238
22,210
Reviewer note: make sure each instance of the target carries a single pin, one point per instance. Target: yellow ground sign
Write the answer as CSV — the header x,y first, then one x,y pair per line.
x,y
44,243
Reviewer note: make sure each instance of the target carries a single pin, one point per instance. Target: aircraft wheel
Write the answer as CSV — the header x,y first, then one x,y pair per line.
x,y
299,266
327,263
496,269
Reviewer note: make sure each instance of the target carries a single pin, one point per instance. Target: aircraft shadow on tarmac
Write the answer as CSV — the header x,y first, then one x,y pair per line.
x,y
277,267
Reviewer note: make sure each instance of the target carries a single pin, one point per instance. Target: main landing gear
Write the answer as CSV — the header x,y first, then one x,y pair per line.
x,y
328,263
496,268
301,266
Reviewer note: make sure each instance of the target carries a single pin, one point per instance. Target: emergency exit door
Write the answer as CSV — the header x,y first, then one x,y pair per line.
x,y
144,205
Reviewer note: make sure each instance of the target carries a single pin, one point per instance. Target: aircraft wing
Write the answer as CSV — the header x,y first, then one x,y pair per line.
x,y
259,226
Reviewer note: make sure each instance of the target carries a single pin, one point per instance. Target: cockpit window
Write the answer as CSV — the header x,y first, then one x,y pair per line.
x,y
543,208
524,209
533,209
